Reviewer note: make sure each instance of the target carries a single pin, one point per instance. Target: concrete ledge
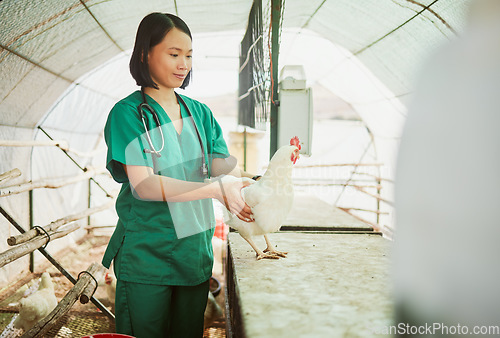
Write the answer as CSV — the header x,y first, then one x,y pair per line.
x,y
330,285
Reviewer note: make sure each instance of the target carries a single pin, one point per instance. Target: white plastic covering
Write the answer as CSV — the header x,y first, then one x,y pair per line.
x,y
64,63
446,252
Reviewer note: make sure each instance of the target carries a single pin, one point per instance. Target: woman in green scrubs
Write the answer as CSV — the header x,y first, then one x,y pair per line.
x,y
161,246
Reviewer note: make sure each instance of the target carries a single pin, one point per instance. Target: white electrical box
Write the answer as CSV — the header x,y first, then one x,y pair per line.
x,y
295,111
292,77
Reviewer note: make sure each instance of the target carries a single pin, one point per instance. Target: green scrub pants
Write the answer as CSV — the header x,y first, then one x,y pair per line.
x,y
150,311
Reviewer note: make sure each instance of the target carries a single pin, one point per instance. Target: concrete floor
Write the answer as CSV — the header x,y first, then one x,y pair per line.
x,y
330,285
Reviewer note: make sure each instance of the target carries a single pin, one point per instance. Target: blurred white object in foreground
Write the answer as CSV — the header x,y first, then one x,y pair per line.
x,y
448,183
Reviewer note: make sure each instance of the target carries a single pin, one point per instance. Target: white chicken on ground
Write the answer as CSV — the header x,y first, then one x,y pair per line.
x,y
212,311
270,199
110,280
37,305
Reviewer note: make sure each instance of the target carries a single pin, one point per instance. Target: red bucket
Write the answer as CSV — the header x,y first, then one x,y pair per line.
x,y
220,229
108,335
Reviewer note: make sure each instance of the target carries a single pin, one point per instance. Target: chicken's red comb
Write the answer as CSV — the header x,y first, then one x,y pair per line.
x,y
295,142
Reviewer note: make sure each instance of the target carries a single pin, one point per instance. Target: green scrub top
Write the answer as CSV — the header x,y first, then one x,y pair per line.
x,y
161,243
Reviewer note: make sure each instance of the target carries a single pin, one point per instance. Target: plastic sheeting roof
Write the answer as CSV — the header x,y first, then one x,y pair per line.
x,y
389,37
45,47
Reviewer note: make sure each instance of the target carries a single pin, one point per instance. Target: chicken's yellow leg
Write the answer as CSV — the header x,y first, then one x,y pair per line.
x,y
259,252
270,249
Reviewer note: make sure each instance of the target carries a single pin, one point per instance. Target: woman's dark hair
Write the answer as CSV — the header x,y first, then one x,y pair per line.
x,y
151,32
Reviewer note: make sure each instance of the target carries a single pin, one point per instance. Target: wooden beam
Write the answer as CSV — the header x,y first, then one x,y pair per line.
x,y
375,227
15,240
374,211
49,184
56,264
340,165
23,249
375,196
81,286
375,177
32,143
97,270
337,184
11,174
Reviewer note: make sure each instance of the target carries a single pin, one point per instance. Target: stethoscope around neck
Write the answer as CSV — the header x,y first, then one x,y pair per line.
x,y
155,154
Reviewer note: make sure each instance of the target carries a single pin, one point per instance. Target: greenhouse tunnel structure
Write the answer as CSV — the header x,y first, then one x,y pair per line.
x,y
64,64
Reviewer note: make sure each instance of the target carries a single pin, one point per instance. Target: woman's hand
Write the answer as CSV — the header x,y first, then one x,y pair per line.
x,y
229,193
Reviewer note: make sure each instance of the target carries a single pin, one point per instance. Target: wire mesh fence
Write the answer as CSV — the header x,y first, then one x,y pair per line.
x,y
255,81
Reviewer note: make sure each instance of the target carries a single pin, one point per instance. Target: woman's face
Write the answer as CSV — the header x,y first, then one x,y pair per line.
x,y
170,61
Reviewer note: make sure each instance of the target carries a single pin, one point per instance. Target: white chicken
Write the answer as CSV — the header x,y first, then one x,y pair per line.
x,y
212,311
110,281
270,199
219,247
37,305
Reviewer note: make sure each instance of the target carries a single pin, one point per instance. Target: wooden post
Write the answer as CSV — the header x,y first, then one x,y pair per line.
x,y
67,302
12,254
97,270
